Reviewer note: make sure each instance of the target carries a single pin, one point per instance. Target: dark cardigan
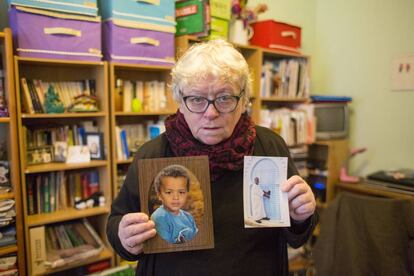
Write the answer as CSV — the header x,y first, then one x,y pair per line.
x,y
238,251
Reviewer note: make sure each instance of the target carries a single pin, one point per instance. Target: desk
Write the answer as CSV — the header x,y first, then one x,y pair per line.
x,y
362,188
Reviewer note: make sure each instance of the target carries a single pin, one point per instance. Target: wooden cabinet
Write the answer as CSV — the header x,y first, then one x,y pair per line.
x,y
9,144
325,161
38,125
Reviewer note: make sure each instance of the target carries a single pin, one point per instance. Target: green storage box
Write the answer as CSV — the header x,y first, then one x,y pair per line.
x,y
219,29
191,17
220,9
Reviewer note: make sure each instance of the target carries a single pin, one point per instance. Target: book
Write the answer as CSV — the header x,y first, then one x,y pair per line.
x,y
27,99
124,143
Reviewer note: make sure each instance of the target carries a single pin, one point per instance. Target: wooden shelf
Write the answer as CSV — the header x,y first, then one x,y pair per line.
x,y
321,205
64,115
8,249
4,120
373,190
286,100
134,67
128,161
281,53
7,196
104,255
145,113
50,167
298,264
64,215
43,61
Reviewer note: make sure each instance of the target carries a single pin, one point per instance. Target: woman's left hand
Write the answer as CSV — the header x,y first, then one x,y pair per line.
x,y
301,199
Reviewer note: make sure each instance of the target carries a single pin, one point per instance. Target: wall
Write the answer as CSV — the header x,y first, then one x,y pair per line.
x,y
3,14
352,44
355,44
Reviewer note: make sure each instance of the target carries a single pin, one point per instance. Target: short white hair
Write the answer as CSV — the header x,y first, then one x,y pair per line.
x,y
216,58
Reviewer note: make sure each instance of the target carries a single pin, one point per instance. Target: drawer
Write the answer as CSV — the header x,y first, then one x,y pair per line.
x,y
45,34
276,35
158,15
85,7
124,42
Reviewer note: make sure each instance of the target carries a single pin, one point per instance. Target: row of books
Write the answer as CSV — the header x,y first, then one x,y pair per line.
x,y
129,137
8,265
72,134
49,192
285,78
138,96
33,92
62,244
295,126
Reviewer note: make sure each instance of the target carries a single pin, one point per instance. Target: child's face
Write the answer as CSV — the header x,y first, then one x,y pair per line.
x,y
173,193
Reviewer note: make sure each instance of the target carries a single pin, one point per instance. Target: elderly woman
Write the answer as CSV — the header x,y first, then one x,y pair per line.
x,y
212,84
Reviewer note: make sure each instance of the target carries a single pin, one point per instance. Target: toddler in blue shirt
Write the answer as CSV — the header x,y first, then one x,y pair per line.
x,y
173,224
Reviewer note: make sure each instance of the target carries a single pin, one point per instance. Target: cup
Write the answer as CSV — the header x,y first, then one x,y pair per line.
x,y
239,33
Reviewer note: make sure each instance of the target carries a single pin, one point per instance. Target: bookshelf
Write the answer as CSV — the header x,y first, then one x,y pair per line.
x,y
122,116
325,159
44,127
8,131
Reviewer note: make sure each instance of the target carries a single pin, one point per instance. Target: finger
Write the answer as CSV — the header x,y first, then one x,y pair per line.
x,y
291,182
133,218
304,209
298,190
300,200
139,239
135,229
135,249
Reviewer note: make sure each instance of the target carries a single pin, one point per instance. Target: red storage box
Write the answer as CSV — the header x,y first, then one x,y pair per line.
x,y
276,35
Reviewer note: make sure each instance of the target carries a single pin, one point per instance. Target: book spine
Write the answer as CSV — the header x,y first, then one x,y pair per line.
x,y
93,182
30,193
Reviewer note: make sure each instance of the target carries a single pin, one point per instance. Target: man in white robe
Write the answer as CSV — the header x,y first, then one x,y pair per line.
x,y
257,194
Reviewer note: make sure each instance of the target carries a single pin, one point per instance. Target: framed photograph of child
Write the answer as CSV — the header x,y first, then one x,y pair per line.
x,y
94,142
175,193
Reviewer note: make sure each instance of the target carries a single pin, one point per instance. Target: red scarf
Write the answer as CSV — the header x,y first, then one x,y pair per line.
x,y
227,155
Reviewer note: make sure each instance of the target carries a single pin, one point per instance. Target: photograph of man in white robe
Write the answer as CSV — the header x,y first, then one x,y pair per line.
x,y
257,196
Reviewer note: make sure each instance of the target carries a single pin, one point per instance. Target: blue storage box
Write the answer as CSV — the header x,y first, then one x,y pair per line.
x,y
84,7
156,15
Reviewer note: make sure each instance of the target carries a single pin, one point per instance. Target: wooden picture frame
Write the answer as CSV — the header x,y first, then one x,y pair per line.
x,y
39,155
94,142
197,204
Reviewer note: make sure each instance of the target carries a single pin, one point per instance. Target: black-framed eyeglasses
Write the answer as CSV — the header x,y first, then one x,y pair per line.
x,y
223,104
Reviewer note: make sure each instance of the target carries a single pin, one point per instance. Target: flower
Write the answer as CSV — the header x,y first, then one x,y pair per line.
x,y
239,10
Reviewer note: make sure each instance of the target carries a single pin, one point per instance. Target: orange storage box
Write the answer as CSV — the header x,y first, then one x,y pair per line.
x,y
276,35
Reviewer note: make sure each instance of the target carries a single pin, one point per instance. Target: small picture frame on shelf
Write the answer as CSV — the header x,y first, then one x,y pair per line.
x,y
4,173
78,154
40,155
60,151
94,142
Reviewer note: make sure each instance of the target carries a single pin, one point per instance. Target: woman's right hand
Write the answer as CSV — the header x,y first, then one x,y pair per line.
x,y
134,229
